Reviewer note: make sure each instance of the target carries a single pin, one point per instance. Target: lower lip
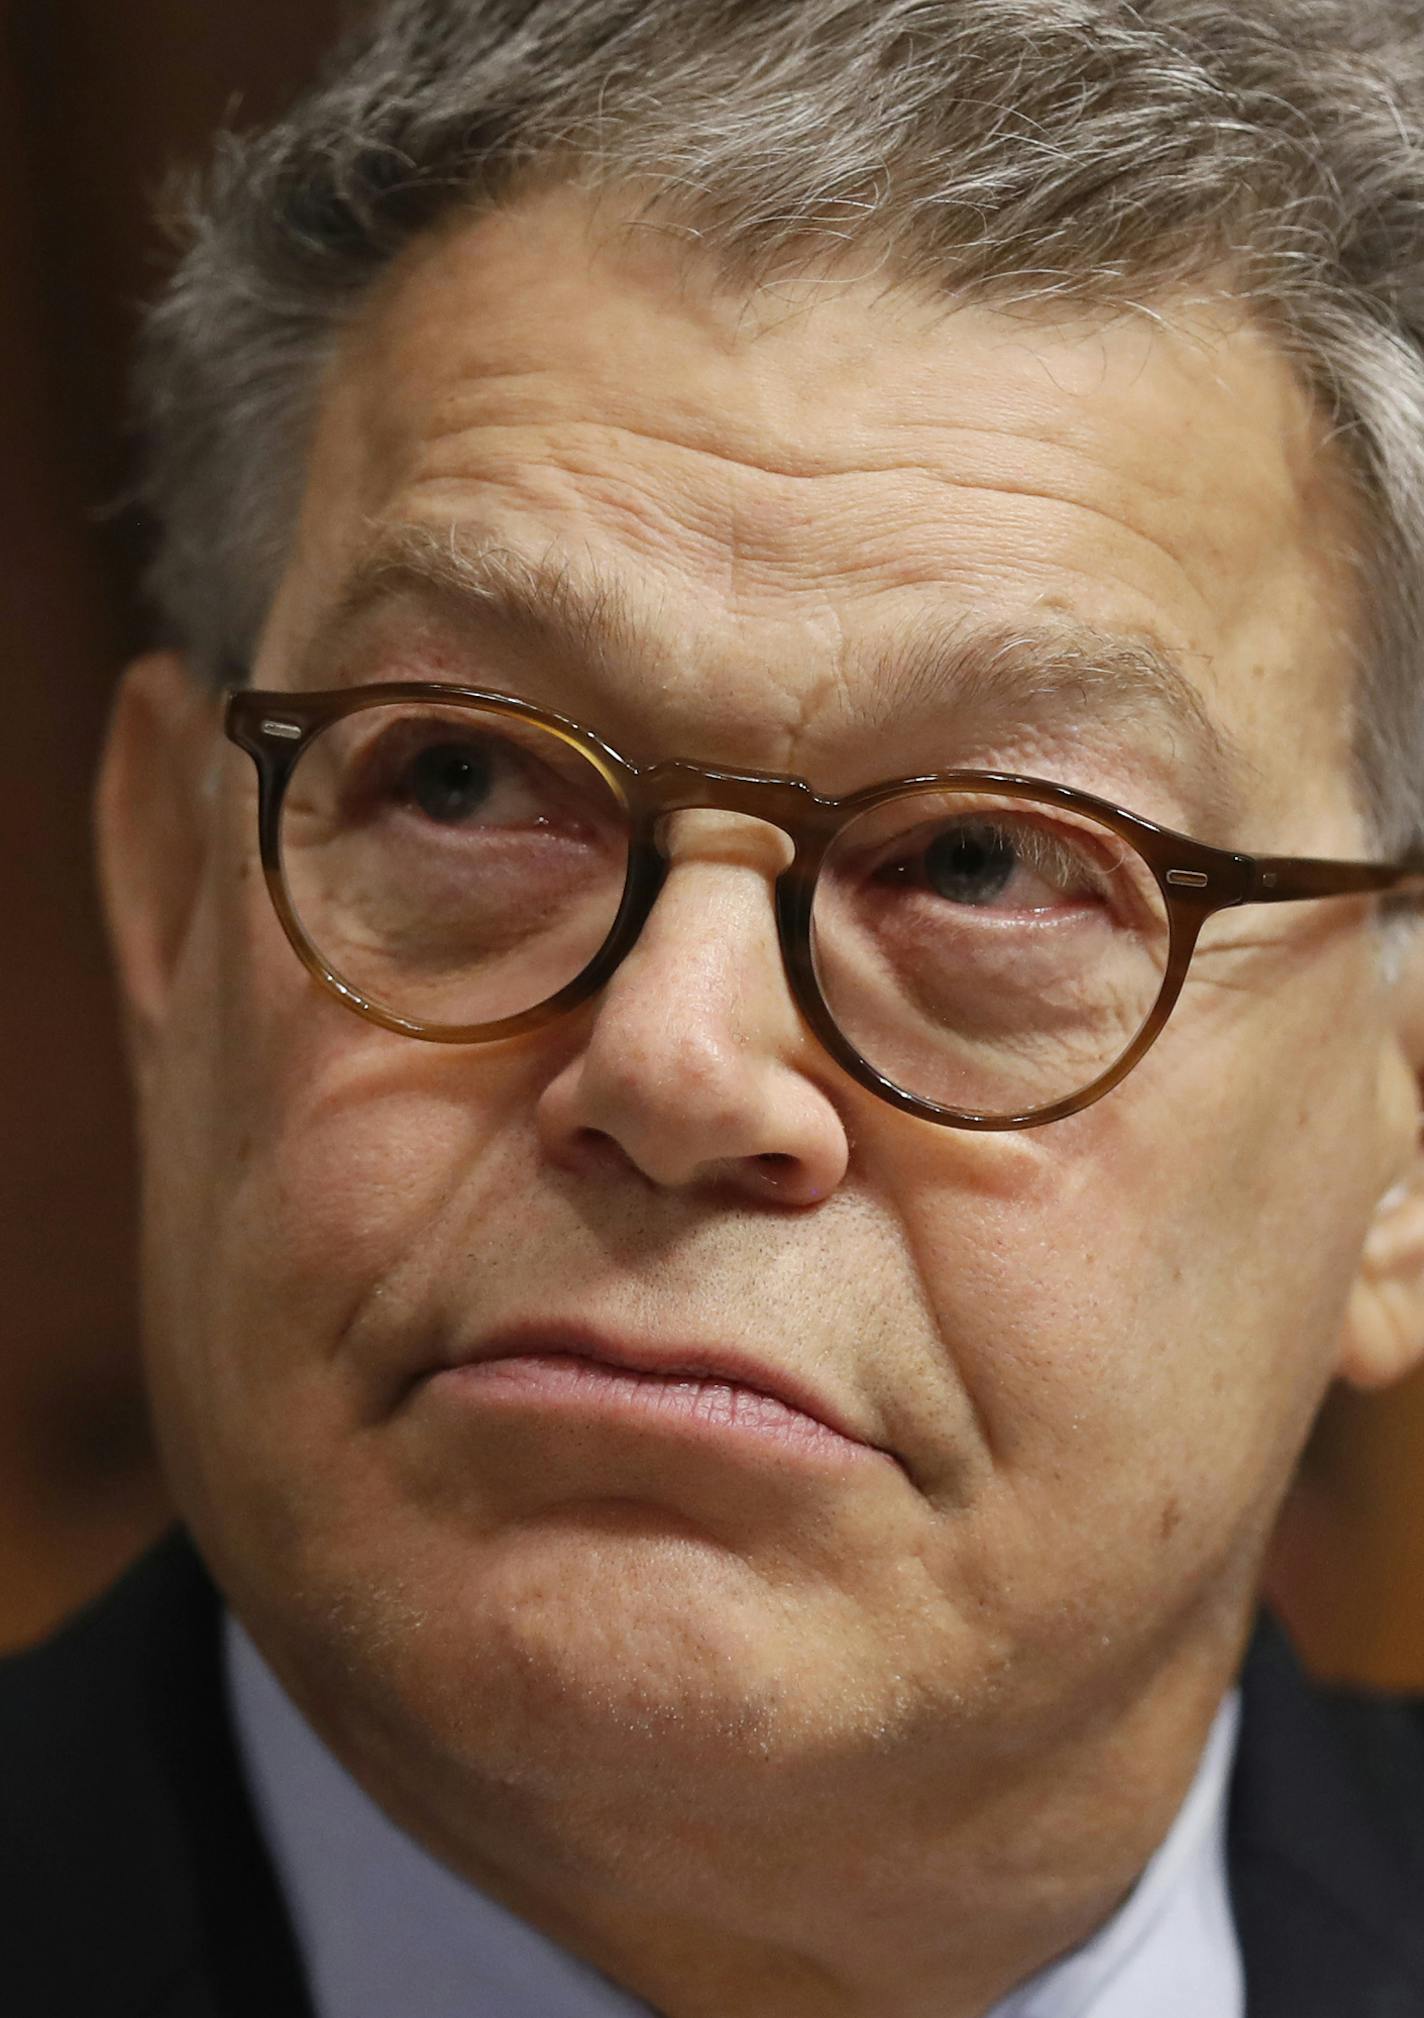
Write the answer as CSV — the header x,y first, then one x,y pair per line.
x,y
687,1406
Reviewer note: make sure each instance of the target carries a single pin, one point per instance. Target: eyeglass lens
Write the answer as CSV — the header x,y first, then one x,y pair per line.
x,y
455,866
990,953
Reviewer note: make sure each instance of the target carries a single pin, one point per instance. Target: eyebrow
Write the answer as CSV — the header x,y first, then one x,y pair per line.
x,y
540,599
1062,670
1082,675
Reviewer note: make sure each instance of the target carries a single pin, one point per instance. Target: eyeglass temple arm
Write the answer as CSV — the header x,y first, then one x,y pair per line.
x,y
1286,879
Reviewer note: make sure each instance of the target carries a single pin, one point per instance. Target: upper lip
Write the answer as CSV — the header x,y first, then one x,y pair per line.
x,y
690,1361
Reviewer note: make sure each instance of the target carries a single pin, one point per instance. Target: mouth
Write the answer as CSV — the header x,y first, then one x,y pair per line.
x,y
701,1393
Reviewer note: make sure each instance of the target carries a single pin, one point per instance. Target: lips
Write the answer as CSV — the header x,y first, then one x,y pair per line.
x,y
672,1363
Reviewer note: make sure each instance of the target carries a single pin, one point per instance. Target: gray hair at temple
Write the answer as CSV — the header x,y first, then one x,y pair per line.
x,y
1015,151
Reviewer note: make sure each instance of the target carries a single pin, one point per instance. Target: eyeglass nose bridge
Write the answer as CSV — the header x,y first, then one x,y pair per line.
x,y
781,801
787,803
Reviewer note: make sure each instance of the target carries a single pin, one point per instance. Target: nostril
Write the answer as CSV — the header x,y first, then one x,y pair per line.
x,y
786,1178
599,1152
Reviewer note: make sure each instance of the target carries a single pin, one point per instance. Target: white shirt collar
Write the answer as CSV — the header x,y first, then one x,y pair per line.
x,y
383,1927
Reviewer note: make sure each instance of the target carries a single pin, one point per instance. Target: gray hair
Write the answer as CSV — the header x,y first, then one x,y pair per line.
x,y
1019,151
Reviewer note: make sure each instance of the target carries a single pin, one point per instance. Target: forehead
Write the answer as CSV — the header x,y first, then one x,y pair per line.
x,y
778,486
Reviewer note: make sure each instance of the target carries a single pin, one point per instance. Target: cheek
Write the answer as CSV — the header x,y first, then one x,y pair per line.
x,y
322,1140
1144,1303
298,1161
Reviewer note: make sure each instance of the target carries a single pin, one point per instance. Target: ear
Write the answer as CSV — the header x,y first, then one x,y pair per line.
x,y
1385,1321
153,818
1384,1325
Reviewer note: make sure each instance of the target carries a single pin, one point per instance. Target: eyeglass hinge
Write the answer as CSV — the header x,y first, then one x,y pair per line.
x,y
1188,879
289,731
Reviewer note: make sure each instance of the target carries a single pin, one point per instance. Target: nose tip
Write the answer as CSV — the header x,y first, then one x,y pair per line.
x,y
694,1117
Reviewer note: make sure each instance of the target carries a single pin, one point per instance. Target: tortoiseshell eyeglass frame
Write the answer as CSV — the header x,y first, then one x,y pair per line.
x,y
1195,879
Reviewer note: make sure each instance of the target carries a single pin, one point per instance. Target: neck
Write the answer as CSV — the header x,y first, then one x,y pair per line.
x,y
965,1884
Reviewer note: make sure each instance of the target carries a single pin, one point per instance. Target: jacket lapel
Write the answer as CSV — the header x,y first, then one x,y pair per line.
x,y
1326,1846
145,1891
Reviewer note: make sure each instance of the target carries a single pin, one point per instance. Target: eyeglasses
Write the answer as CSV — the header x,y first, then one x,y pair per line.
x,y
982,950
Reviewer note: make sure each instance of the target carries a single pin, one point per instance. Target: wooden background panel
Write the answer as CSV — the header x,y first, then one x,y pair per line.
x,y
75,1484
97,99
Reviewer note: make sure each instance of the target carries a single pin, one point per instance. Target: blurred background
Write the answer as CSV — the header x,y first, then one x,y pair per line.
x,y
97,102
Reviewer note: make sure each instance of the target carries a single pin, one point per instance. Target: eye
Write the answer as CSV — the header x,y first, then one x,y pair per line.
x,y
1002,861
441,773
448,781
971,864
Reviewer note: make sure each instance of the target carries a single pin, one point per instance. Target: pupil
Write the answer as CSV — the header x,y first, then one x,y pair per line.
x,y
449,780
970,865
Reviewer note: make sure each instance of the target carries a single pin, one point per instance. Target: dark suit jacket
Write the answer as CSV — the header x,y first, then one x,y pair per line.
x,y
133,1883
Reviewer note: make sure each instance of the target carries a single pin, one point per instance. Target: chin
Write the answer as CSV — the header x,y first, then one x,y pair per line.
x,y
552,1658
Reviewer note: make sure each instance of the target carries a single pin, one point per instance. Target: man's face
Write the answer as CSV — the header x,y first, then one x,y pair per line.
x,y
1079,1359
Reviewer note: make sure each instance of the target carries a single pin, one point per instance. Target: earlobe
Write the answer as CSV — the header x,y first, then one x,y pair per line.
x,y
152,825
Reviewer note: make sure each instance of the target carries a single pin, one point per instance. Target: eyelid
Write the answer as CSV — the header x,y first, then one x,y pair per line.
x,y
550,786
1120,881
393,736
1038,859
1013,817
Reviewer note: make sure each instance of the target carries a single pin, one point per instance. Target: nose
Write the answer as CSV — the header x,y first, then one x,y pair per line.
x,y
697,1070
